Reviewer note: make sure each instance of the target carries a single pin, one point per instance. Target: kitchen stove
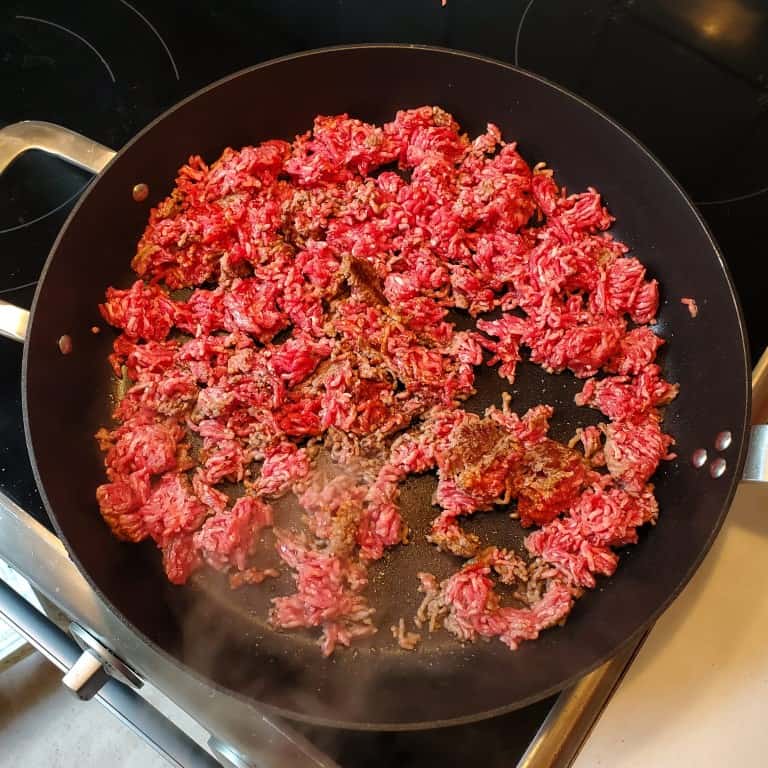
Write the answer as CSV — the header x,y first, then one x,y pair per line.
x,y
687,77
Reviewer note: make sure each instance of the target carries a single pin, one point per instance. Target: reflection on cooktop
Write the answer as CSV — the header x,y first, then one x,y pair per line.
x,y
103,71
688,78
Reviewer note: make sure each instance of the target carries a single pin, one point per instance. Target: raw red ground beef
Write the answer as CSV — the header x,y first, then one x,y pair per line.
x,y
312,352
227,537
468,606
328,594
693,308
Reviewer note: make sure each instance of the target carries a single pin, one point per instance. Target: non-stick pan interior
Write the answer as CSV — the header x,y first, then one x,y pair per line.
x,y
220,634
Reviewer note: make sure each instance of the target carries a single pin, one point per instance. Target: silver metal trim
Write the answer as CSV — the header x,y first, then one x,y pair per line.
x,y
760,390
228,757
74,148
17,138
13,321
574,714
756,464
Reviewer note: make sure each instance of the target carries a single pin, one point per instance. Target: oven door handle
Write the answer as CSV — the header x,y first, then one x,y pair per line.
x,y
158,731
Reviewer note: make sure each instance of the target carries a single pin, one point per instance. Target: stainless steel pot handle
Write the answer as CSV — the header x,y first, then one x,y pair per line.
x,y
756,465
15,140
18,138
13,321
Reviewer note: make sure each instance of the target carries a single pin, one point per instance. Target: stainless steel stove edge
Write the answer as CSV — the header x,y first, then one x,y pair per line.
x,y
62,651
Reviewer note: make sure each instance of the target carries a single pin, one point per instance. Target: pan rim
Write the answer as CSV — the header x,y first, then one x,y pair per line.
x,y
740,432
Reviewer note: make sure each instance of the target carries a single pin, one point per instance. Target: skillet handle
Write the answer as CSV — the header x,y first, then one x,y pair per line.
x,y
756,464
17,138
13,321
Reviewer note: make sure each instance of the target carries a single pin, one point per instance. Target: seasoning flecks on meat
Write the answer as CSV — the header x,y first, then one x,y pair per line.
x,y
480,459
548,479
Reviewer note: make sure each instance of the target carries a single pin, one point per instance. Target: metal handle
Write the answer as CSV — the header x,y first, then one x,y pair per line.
x,y
760,390
113,665
87,677
13,321
156,729
574,714
756,465
17,138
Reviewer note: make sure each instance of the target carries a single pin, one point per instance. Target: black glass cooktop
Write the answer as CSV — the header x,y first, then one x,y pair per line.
x,y
688,77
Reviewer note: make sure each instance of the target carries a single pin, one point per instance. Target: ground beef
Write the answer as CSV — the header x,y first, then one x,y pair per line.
x,y
627,399
284,465
142,311
480,458
578,546
468,606
634,450
334,508
592,445
406,640
328,594
635,352
313,352
120,502
693,307
239,579
136,445
547,479
181,558
172,508
226,538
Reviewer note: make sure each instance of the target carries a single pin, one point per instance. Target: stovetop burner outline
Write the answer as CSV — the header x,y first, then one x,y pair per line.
x,y
709,51
736,199
520,31
128,94
74,34
18,287
45,215
156,34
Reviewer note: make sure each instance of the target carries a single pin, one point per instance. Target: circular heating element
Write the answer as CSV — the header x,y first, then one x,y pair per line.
x,y
699,100
82,71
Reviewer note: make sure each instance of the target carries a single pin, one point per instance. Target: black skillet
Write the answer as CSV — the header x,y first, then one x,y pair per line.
x,y
221,635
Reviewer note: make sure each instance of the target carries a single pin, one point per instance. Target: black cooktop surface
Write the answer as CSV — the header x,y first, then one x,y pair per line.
x,y
688,77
